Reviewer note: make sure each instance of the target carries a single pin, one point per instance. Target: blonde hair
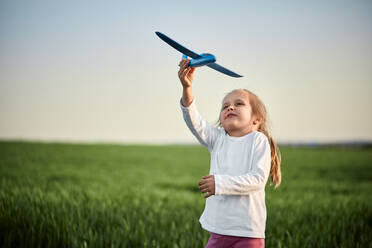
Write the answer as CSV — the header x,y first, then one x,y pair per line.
x,y
259,111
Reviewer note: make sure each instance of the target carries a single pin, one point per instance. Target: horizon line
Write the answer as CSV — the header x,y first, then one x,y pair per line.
x,y
344,143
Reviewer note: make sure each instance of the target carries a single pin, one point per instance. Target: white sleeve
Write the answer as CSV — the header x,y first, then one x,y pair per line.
x,y
250,182
200,128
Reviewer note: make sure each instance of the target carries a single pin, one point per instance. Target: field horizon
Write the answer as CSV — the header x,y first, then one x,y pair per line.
x,y
357,143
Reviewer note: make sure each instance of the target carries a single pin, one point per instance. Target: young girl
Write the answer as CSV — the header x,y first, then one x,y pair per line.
x,y
243,156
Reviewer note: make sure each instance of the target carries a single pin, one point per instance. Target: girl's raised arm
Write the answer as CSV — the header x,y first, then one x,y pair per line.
x,y
200,128
186,75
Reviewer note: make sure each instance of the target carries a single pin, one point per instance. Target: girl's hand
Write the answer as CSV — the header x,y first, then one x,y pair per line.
x,y
206,185
186,73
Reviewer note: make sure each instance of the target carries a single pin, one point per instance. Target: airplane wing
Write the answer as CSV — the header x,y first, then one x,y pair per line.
x,y
177,46
222,69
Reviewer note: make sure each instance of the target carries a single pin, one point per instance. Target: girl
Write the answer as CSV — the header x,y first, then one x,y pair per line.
x,y
243,156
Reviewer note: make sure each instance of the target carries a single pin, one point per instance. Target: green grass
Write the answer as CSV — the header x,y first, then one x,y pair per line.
x,y
72,195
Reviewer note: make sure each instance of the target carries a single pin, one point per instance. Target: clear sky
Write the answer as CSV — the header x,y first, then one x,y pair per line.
x,y
94,71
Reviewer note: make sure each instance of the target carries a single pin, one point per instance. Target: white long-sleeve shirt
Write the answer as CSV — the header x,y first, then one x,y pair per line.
x,y
241,167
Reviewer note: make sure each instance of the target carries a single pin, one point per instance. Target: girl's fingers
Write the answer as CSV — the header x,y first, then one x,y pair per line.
x,y
205,180
183,67
185,62
204,188
185,72
182,62
182,71
202,182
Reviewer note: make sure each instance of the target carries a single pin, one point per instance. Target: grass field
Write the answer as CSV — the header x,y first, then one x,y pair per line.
x,y
71,195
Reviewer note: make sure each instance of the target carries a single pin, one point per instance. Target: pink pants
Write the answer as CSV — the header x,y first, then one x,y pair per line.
x,y
225,241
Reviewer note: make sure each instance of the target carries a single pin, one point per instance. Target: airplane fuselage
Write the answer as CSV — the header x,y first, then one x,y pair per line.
x,y
204,59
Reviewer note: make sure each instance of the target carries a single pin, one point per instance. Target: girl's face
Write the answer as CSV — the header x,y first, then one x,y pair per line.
x,y
236,114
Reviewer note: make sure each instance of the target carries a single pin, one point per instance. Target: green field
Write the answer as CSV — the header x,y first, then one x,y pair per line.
x,y
80,195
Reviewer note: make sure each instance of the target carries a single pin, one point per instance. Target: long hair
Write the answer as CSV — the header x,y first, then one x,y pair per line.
x,y
259,111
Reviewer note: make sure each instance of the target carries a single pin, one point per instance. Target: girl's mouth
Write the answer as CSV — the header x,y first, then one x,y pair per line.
x,y
230,115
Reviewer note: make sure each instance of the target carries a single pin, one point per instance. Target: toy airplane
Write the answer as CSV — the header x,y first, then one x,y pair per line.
x,y
197,59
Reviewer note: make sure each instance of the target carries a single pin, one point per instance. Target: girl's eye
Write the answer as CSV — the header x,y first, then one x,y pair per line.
x,y
239,103
224,107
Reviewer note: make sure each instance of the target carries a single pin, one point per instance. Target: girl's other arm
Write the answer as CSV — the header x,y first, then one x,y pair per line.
x,y
250,182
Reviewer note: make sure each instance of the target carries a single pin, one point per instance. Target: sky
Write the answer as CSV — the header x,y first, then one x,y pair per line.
x,y
94,71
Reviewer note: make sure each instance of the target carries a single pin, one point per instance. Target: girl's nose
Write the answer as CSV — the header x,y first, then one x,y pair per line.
x,y
230,107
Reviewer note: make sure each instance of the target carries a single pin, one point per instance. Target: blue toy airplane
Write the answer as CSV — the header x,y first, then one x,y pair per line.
x,y
197,59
